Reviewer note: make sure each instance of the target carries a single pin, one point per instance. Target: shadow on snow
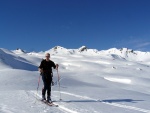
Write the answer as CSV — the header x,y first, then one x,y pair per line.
x,y
106,101
16,62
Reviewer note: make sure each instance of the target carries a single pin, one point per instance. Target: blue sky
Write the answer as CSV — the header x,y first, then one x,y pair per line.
x,y
36,25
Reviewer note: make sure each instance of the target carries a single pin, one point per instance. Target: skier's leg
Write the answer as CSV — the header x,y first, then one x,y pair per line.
x,y
44,87
49,89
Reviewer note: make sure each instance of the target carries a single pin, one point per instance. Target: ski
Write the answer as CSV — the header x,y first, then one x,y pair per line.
x,y
49,103
52,104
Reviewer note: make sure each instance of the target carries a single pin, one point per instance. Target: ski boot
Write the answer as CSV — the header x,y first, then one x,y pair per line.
x,y
43,98
49,99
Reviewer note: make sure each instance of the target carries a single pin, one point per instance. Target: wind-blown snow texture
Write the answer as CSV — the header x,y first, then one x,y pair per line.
x,y
92,81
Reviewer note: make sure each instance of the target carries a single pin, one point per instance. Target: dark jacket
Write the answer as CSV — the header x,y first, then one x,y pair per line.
x,y
46,66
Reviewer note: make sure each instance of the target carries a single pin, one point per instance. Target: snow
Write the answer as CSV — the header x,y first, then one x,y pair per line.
x,y
125,81
92,81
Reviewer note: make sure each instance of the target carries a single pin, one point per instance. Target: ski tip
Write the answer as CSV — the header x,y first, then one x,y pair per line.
x,y
52,104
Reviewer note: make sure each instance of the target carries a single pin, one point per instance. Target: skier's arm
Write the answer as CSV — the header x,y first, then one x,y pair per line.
x,y
41,67
55,66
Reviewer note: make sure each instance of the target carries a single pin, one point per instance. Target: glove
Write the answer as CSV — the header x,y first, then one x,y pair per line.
x,y
40,70
57,66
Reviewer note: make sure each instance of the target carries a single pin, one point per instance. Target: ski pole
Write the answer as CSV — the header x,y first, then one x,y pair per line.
x,y
59,84
38,83
38,87
56,82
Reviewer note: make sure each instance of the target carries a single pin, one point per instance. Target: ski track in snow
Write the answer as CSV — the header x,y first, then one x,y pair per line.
x,y
112,104
60,106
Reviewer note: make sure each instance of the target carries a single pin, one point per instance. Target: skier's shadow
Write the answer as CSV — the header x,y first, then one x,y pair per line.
x,y
104,101
121,100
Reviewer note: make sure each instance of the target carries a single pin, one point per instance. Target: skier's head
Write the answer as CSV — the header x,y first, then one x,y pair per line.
x,y
47,55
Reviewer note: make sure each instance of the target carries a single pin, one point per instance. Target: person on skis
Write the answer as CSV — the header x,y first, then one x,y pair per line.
x,y
46,72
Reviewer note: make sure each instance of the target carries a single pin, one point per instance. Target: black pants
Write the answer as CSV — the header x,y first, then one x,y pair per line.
x,y
47,80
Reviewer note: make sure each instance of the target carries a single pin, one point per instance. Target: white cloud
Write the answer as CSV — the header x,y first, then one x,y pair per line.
x,y
143,44
134,43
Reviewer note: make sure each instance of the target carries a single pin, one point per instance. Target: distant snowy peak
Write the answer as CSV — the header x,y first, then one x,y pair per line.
x,y
126,50
58,50
128,54
83,48
19,51
122,50
58,47
114,53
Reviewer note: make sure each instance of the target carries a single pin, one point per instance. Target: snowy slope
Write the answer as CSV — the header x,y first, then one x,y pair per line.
x,y
9,60
92,81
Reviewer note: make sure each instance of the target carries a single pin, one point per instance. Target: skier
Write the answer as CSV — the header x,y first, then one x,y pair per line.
x,y
46,72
